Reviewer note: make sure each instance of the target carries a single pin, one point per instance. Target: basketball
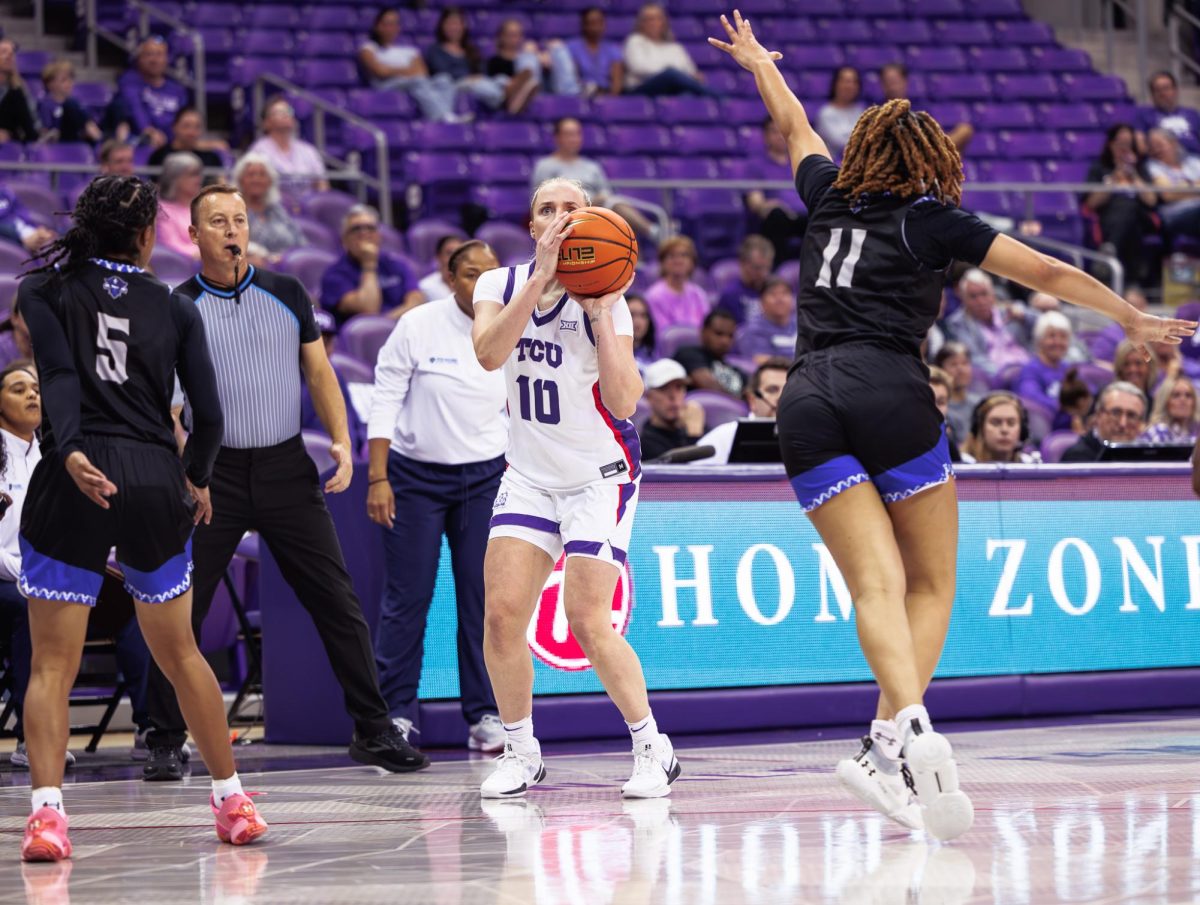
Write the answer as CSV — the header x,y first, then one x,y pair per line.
x,y
599,255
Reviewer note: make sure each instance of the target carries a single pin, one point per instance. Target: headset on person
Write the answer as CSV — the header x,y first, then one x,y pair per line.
x,y
1005,396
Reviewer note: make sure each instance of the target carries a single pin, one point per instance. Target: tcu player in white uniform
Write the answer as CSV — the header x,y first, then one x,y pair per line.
x,y
571,486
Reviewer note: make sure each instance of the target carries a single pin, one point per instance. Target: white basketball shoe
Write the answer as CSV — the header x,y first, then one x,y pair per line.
x,y
655,767
514,775
890,794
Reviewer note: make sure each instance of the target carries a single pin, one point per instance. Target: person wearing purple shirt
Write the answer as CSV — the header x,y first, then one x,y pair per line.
x,y
367,280
599,63
147,99
1041,379
772,332
1182,122
756,257
674,298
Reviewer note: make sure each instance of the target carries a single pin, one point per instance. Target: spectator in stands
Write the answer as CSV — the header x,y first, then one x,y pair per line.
x,y
645,340
567,162
309,419
1041,378
657,64
672,423
1125,214
1169,167
705,364
17,224
298,163
272,229
893,80
772,331
63,118
1131,366
181,180
778,220
1165,113
436,285
1104,345
987,332
942,385
455,57
187,134
1173,418
18,116
955,359
674,298
599,62
390,66
147,99
366,279
552,66
1074,404
740,296
116,158
15,344
836,119
997,425
761,396
1120,418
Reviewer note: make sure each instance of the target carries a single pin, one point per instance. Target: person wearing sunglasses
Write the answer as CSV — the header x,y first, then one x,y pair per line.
x,y
366,279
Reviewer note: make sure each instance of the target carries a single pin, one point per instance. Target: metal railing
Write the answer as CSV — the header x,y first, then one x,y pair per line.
x,y
97,32
1181,59
1136,11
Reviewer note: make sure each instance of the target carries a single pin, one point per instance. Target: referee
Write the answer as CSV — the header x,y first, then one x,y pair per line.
x,y
262,335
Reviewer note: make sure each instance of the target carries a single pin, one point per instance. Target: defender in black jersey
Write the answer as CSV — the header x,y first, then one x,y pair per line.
x,y
862,440
108,339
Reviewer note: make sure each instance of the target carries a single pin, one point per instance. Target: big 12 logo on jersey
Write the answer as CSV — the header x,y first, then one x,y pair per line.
x,y
550,636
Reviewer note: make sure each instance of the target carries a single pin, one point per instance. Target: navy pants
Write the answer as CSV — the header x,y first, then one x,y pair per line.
x,y
671,82
432,500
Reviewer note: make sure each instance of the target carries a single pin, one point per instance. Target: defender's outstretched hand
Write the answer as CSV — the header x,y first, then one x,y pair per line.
x,y
1146,328
743,46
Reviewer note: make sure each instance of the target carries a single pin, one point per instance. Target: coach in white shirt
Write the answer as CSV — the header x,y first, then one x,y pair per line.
x,y
437,436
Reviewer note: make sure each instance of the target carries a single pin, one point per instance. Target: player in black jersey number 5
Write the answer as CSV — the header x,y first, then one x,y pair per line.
x,y
862,441
108,339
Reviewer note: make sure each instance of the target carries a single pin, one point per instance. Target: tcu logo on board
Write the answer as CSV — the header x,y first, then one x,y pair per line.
x,y
550,637
577,254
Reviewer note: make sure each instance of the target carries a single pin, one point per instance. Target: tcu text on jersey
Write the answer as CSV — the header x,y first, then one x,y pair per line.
x,y
538,350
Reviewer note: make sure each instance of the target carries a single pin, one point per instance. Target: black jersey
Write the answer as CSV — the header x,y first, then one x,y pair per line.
x,y
108,339
874,272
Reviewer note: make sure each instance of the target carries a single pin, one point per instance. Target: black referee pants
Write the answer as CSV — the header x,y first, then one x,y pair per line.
x,y
276,491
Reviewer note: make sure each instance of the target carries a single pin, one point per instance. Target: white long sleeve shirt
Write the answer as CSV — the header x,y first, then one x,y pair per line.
x,y
645,58
22,457
433,399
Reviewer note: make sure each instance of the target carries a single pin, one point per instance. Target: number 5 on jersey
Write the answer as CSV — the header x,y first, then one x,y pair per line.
x,y
111,353
845,274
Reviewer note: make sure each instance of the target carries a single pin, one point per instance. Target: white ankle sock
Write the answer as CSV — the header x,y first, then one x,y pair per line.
x,y
911,719
48,797
520,736
224,788
885,737
644,732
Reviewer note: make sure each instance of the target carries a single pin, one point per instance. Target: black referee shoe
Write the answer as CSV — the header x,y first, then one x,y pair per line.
x,y
389,751
165,764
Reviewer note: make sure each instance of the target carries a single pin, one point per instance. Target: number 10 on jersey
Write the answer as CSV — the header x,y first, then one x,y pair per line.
x,y
539,400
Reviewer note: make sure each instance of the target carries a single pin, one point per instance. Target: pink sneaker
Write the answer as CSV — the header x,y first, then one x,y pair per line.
x,y
238,820
46,836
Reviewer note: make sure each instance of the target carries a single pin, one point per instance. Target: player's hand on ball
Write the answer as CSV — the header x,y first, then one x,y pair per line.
x,y
203,502
1146,328
743,46
595,307
546,256
345,469
89,479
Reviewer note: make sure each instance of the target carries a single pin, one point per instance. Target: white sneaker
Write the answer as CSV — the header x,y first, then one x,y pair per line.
x,y
20,757
405,727
948,811
654,769
486,735
890,795
514,774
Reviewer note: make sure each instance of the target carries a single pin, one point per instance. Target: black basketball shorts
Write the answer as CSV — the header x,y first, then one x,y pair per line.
x,y
855,413
66,538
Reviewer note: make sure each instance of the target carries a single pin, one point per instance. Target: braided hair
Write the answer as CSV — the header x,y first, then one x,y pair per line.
x,y
109,216
905,153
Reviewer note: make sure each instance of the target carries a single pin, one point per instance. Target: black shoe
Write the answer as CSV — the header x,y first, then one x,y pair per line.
x,y
164,765
388,750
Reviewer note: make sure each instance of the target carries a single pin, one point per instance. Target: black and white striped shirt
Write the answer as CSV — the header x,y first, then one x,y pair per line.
x,y
254,338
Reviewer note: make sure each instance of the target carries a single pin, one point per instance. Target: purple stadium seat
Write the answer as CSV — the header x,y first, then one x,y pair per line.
x,y
224,15
1055,205
1039,87
423,237
171,267
318,235
43,202
558,25
316,444
353,370
510,136
328,74
723,271
1061,59
244,70
1067,116
1065,170
937,9
808,57
1056,443
1010,171
12,258
501,168
984,145
363,336
1004,116
687,110
1116,111
965,86
511,242
676,337
307,265
375,105
998,9
277,17
811,84
688,168
881,8
903,31
1024,32
12,151
1096,376
432,167
738,112
710,140
503,202
936,59
338,45
629,167
267,43
843,30
948,114
867,58
788,30
1091,86
8,293
998,59
623,109
61,152
1035,145
640,140
550,107
987,202
1082,145
718,408
1004,378
962,33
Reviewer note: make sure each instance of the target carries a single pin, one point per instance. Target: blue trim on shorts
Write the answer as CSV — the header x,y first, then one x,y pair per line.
x,y
524,521
165,583
821,484
48,579
593,548
926,470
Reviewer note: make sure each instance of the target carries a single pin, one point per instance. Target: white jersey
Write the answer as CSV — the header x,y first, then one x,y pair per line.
x,y
561,436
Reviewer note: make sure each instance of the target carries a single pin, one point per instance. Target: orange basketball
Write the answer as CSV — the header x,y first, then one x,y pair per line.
x,y
600,254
